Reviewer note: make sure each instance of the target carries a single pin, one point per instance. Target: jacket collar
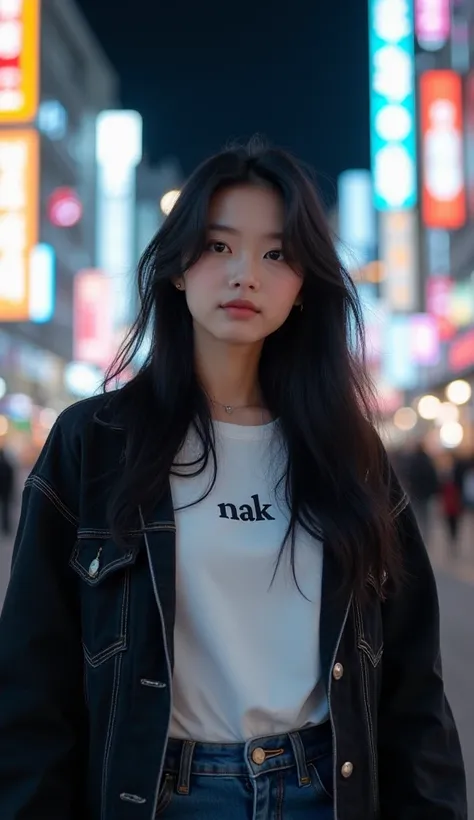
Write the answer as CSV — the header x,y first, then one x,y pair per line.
x,y
109,413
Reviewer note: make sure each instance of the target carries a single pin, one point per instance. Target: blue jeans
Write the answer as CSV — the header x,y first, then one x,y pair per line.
x,y
280,777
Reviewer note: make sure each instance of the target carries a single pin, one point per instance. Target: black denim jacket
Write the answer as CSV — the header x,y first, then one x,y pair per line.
x,y
86,658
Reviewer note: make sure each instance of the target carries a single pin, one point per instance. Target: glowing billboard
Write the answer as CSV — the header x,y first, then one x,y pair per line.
x,y
19,60
425,340
432,23
443,183
117,160
392,105
398,252
357,224
461,352
42,286
93,318
19,192
469,141
399,369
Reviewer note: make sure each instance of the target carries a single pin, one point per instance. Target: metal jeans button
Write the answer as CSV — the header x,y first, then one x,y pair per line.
x,y
258,756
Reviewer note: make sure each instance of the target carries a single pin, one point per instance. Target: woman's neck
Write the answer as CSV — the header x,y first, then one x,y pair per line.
x,y
229,376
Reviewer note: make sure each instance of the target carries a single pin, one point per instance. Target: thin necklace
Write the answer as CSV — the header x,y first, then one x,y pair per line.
x,y
229,408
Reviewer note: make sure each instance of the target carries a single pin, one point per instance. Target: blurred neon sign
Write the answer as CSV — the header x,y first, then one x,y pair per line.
x,y
42,288
461,352
398,251
64,208
19,60
19,182
392,119
425,341
93,318
432,23
444,188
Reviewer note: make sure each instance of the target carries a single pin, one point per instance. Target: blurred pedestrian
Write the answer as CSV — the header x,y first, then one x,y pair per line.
x,y
7,485
465,473
423,485
220,603
451,504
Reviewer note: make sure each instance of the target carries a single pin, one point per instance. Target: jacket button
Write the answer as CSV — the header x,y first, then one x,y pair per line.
x,y
338,671
258,756
347,769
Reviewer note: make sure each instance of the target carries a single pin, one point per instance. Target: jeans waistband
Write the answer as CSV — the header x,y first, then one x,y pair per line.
x,y
254,758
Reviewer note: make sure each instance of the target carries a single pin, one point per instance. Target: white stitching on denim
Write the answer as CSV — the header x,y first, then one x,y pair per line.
x,y
46,489
331,715
156,684
125,605
105,654
372,744
167,655
317,776
155,526
121,643
374,657
401,505
110,731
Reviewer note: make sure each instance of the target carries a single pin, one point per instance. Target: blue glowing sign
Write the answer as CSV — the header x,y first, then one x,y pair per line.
x,y
42,284
392,105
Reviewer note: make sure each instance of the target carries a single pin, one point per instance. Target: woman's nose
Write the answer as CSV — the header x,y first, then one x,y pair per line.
x,y
245,274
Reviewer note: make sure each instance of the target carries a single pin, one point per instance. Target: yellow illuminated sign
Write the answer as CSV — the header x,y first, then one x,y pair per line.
x,y
19,60
19,191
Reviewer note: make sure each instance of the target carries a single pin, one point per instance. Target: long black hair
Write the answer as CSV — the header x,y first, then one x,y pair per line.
x,y
312,375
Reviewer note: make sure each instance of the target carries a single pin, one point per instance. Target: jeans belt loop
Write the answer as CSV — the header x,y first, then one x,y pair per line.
x,y
300,758
184,774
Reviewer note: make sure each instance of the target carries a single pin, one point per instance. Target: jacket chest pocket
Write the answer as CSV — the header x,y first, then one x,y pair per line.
x,y
104,570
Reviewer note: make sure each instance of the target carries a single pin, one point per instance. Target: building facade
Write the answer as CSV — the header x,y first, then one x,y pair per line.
x,y
69,80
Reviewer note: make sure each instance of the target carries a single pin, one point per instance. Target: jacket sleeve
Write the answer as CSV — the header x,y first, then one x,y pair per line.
x,y
421,769
42,711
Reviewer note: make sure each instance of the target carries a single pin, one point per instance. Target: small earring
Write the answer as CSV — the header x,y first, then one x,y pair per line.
x,y
301,308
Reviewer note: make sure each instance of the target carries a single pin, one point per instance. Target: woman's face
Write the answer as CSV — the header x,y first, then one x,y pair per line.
x,y
243,261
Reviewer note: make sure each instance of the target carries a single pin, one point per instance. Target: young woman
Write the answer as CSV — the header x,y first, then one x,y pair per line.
x,y
220,603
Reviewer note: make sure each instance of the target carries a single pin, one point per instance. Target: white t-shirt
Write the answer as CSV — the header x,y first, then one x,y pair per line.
x,y
247,660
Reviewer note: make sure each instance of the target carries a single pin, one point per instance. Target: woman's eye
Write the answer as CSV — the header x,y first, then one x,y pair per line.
x,y
275,256
218,247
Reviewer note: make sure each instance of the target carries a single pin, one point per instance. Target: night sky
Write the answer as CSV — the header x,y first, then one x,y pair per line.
x,y
201,74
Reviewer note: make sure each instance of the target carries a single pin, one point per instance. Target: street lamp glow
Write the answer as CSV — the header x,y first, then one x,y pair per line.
x,y
428,407
459,392
447,413
451,434
405,419
168,201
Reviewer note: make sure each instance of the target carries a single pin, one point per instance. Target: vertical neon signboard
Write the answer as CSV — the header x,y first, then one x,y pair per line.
x,y
392,104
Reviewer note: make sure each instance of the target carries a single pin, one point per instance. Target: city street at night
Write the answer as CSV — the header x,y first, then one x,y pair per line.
x,y
236,302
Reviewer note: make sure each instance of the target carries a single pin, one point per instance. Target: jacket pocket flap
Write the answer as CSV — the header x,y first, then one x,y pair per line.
x,y
94,559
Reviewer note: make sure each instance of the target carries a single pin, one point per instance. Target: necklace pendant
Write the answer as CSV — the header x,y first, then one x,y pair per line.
x,y
229,409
